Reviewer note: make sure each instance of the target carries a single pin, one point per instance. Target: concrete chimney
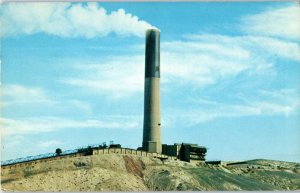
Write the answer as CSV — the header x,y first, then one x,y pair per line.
x,y
152,125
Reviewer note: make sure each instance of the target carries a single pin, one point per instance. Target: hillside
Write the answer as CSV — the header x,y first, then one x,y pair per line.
x,y
116,172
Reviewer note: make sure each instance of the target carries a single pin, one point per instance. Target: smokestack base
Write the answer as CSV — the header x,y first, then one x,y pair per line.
x,y
152,146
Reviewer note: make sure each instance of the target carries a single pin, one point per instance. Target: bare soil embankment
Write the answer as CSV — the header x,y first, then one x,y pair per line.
x,y
115,172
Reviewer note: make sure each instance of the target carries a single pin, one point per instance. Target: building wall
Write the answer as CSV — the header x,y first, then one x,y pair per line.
x,y
170,150
129,152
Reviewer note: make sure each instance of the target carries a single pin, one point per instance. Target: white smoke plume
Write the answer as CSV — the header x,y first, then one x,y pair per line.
x,y
69,20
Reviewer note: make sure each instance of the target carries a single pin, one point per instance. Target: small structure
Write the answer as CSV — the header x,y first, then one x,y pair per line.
x,y
115,146
215,162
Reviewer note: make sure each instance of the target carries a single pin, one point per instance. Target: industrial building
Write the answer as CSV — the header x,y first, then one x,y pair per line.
x,y
185,151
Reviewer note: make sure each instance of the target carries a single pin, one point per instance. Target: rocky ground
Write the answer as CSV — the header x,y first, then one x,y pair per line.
x,y
114,172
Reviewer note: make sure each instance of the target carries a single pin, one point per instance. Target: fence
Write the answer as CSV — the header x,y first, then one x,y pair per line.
x,y
130,152
39,159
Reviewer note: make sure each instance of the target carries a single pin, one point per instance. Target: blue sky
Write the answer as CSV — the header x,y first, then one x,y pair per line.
x,y
72,75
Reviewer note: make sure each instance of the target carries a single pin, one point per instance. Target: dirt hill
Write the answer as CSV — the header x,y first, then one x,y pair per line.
x,y
115,172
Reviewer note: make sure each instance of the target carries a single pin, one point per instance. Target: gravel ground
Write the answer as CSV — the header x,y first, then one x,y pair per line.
x,y
116,172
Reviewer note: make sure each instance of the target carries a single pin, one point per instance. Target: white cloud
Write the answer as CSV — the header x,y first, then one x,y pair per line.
x,y
79,105
262,103
280,22
201,63
49,124
193,62
200,59
29,99
263,47
17,94
46,144
33,98
69,20
118,77
124,76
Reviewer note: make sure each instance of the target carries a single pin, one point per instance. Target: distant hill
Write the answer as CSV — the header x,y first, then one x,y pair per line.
x,y
116,172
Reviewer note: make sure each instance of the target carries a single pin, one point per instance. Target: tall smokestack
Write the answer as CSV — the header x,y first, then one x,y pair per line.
x,y
151,135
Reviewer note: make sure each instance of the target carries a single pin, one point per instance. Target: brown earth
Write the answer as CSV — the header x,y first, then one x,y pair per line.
x,y
115,172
